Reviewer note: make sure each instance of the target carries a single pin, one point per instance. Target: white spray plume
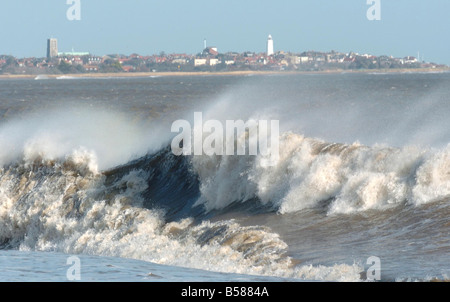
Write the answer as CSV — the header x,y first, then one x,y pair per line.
x,y
112,136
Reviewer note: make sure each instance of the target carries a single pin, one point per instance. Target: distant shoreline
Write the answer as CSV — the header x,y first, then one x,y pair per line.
x,y
228,73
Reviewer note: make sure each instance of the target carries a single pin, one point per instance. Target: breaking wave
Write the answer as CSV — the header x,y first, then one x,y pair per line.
x,y
158,207
311,173
68,206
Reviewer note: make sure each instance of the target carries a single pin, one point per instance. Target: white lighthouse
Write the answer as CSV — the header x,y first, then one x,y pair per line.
x,y
270,46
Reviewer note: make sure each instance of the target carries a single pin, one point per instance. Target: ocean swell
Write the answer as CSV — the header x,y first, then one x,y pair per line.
x,y
69,206
158,207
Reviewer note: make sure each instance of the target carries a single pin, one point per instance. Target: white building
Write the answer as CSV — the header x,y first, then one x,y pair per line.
x,y
180,61
305,59
270,51
199,62
213,62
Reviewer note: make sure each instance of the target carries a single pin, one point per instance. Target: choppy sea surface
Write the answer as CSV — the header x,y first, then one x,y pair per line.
x,y
91,190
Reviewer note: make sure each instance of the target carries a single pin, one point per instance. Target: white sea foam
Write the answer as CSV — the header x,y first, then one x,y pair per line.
x,y
54,198
67,207
67,78
110,135
352,177
42,77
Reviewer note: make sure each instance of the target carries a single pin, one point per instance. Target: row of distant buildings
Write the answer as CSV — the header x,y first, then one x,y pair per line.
x,y
209,59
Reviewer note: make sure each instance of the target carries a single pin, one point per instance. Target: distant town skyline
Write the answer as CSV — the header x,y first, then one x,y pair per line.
x,y
209,60
179,26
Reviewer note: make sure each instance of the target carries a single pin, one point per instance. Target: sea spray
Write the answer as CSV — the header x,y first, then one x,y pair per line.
x,y
65,206
310,172
113,136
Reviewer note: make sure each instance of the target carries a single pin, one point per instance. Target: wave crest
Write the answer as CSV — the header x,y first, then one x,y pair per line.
x,y
311,173
50,206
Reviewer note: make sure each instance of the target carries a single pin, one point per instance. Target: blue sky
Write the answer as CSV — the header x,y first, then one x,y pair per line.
x,y
148,27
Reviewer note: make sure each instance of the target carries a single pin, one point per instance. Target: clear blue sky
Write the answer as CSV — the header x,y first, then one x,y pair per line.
x,y
149,27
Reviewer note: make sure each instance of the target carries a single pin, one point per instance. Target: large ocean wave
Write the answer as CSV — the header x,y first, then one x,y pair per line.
x,y
56,194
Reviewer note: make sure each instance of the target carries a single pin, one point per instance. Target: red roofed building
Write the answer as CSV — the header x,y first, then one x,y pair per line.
x,y
128,68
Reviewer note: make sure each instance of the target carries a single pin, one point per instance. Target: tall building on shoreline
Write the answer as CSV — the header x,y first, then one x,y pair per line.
x,y
270,51
52,48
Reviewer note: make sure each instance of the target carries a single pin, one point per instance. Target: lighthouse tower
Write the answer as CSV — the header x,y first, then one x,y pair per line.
x,y
270,46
